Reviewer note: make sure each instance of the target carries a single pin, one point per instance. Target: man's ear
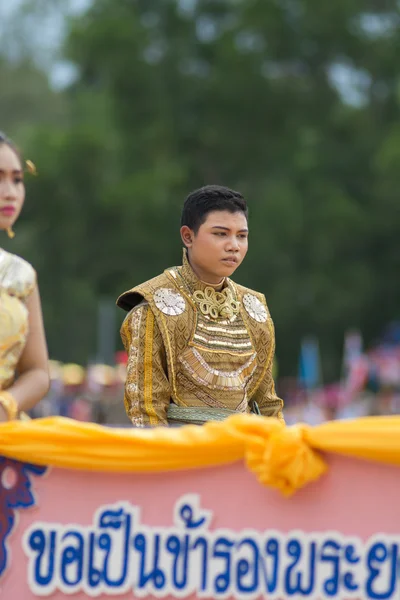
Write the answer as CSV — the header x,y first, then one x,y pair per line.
x,y
187,236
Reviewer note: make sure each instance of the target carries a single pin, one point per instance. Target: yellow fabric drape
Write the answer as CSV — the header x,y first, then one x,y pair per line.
x,y
282,457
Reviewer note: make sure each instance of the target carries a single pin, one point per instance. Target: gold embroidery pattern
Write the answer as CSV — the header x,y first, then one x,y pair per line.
x,y
231,332
130,340
148,367
265,357
244,405
169,350
222,343
216,304
213,378
198,392
227,337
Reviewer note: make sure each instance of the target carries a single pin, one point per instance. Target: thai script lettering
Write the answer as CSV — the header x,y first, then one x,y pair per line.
x,y
119,554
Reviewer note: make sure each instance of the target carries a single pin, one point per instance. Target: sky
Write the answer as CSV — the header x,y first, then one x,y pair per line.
x,y
44,35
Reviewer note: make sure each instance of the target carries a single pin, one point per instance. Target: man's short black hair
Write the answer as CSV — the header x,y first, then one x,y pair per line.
x,y
208,199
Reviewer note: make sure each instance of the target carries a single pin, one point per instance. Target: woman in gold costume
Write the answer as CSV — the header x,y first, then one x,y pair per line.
x,y
24,378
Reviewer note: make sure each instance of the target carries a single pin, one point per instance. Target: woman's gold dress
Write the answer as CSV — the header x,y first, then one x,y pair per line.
x,y
17,280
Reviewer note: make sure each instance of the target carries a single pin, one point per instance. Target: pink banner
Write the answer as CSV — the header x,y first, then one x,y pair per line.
x,y
211,533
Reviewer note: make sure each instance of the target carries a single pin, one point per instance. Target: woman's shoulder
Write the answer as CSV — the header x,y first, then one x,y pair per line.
x,y
17,276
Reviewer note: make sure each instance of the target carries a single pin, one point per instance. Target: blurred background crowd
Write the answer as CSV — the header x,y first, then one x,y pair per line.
x,y
126,106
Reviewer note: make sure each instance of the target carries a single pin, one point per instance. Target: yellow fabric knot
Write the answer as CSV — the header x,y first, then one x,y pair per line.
x,y
282,459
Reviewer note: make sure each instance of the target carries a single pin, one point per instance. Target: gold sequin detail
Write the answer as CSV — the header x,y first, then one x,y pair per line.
x,y
224,343
202,372
229,337
225,330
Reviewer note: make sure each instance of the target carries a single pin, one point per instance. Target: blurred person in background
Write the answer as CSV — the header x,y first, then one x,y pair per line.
x,y
200,346
384,402
24,377
74,401
107,384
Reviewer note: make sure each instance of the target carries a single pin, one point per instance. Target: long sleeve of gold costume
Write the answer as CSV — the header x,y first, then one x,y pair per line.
x,y
269,403
147,389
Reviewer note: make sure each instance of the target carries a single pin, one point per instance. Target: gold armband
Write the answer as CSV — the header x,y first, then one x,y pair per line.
x,y
9,403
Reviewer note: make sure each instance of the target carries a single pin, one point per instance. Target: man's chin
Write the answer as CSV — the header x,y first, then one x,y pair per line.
x,y
227,270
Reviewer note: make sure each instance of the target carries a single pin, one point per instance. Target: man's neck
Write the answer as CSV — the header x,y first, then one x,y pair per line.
x,y
207,278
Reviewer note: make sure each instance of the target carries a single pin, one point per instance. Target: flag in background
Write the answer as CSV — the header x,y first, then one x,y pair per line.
x,y
310,364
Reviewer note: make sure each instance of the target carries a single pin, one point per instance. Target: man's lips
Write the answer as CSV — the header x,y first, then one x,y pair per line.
x,y
230,259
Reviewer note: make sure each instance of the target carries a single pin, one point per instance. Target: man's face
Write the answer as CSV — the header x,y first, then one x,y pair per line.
x,y
219,246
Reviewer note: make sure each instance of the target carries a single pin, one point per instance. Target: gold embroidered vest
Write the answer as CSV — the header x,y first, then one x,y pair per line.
x,y
218,342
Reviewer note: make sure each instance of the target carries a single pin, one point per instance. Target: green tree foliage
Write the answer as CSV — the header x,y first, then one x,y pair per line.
x,y
172,95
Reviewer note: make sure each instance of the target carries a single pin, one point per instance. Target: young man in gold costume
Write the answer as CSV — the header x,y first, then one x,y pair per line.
x,y
200,346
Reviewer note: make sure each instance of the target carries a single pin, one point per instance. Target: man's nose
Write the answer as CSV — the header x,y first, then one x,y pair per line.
x,y
233,244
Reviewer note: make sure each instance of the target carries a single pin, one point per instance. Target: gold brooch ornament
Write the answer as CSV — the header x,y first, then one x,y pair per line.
x,y
255,308
216,305
169,302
